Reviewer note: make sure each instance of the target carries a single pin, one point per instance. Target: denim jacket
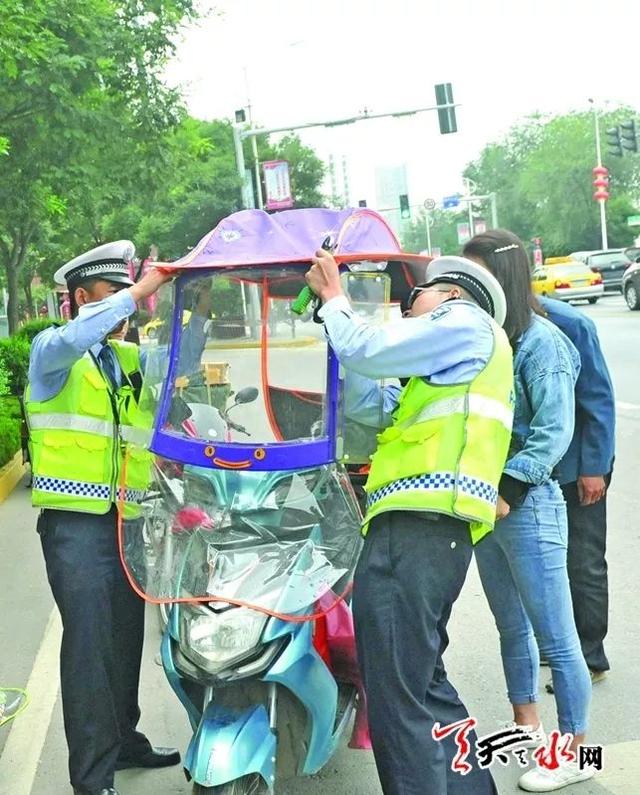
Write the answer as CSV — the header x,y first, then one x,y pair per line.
x,y
546,366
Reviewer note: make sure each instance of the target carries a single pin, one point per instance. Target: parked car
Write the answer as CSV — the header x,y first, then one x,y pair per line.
x,y
567,280
610,263
631,285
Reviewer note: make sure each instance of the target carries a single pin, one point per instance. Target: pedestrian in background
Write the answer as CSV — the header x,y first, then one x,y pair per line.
x,y
584,475
431,494
82,393
523,563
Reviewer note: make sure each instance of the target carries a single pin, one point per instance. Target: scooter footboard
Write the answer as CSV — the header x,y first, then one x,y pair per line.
x,y
230,744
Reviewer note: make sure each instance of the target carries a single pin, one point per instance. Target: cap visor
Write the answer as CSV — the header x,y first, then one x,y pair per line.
x,y
116,278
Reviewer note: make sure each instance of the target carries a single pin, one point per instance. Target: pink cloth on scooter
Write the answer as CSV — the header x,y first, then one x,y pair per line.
x,y
344,661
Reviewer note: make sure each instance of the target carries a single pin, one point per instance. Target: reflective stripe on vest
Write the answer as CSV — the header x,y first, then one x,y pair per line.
x,y
481,405
79,488
57,421
437,481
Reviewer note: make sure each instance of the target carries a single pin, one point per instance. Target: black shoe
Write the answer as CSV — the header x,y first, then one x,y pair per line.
x,y
105,791
155,757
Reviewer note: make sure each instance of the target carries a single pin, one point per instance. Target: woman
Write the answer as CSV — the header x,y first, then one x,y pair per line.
x,y
523,563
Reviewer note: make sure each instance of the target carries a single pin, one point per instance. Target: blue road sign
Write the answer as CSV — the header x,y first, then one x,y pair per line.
x,y
451,201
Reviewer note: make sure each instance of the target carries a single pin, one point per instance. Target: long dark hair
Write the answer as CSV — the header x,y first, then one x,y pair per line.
x,y
504,255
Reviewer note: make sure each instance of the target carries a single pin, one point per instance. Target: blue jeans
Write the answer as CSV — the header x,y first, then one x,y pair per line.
x,y
523,568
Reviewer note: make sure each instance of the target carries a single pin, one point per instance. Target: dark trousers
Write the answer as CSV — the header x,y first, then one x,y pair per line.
x,y
103,628
587,567
410,573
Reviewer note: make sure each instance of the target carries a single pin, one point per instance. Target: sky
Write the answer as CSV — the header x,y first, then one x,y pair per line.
x,y
306,60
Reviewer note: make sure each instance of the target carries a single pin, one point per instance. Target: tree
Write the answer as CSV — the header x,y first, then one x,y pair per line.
x,y
79,81
444,232
541,173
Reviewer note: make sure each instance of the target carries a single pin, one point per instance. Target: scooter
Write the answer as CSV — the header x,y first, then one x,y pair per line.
x,y
268,696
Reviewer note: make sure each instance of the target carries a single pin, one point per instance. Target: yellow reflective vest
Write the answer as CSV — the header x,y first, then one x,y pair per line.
x,y
78,440
447,446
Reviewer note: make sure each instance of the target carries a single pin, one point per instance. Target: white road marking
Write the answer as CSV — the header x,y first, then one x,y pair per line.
x,y
22,751
620,404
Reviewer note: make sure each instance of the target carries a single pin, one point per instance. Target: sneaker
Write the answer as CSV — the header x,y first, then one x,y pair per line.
x,y
596,676
12,701
543,780
538,736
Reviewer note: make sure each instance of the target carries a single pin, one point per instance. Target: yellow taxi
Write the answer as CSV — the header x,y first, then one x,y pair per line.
x,y
568,280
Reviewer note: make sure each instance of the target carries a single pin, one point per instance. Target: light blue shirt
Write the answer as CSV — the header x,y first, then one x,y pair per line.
x,y
450,345
55,350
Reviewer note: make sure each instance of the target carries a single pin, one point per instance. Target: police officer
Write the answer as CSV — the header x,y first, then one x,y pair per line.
x,y
432,493
81,387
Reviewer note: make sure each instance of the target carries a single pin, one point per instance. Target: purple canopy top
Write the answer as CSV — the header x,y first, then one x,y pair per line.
x,y
254,237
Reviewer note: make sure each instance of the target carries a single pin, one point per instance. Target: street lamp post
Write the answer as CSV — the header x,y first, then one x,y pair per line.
x,y
602,198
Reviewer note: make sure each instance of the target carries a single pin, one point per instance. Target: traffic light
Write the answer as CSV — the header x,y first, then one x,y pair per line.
x,y
628,135
405,211
241,116
362,202
446,116
614,144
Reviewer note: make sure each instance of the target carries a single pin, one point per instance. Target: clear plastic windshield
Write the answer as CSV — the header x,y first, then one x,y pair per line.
x,y
362,413
241,351
274,541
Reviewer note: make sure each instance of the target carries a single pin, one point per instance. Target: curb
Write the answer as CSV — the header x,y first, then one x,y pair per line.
x,y
10,475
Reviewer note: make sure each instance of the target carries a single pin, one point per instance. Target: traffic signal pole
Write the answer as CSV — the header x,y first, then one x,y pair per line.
x,y
601,201
240,134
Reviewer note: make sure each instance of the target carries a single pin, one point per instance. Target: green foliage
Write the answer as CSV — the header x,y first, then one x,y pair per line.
x,y
10,419
541,173
9,438
444,232
14,359
81,100
31,328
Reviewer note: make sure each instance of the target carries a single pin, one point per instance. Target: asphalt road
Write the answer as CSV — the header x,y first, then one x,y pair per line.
x,y
33,753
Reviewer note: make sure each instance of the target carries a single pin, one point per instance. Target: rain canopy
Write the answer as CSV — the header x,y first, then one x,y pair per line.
x,y
242,416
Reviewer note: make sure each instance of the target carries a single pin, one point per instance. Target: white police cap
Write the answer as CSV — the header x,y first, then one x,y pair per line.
x,y
109,262
474,278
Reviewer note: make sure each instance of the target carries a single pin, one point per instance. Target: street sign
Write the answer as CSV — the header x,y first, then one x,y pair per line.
x,y
451,201
480,226
633,220
429,204
464,232
277,185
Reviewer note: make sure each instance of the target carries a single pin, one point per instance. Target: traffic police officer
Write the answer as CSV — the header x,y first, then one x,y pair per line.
x,y
82,390
432,492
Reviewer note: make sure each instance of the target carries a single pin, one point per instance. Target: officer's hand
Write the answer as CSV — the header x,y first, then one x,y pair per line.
x,y
153,279
502,509
324,277
591,489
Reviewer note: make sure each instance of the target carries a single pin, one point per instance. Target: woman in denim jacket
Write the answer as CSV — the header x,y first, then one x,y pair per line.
x,y
523,563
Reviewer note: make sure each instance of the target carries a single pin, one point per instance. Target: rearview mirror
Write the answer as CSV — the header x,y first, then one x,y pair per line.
x,y
246,395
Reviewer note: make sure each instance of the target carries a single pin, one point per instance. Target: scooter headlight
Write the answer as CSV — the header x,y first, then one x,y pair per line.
x,y
222,638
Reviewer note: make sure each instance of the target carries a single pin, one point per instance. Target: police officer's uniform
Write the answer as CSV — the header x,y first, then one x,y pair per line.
x,y
80,389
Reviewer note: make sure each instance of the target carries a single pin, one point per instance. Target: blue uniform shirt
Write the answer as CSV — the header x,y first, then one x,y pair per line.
x,y
592,446
450,345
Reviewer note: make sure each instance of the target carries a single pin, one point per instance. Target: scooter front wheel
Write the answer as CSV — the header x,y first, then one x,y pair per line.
x,y
247,785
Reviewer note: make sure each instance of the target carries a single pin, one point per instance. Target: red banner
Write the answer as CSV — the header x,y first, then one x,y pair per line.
x,y
277,185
